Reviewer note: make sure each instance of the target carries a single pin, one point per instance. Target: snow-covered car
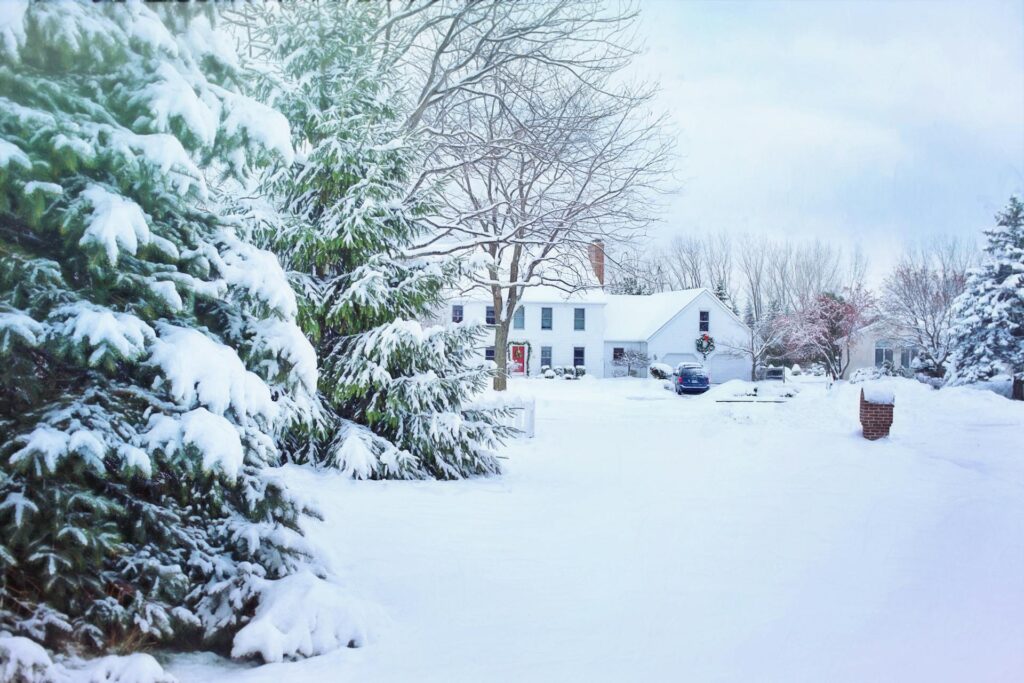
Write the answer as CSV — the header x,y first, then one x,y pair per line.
x,y
691,378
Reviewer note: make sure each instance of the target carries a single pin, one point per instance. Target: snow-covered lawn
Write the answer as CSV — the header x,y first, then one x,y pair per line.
x,y
643,536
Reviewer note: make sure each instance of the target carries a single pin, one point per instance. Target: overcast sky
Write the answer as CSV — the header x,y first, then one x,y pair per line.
x,y
869,122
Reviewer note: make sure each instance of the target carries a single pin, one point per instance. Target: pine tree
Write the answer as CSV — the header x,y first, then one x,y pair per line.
x,y
989,329
149,354
394,391
723,295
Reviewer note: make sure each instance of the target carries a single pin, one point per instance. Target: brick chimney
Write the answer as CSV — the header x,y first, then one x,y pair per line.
x,y
595,250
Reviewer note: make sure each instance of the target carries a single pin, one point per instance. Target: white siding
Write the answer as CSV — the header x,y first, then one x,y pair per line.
x,y
674,343
562,337
610,369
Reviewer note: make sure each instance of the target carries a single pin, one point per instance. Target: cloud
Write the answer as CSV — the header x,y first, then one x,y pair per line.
x,y
875,121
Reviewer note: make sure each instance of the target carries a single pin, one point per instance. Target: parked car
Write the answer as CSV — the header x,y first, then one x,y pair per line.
x,y
691,378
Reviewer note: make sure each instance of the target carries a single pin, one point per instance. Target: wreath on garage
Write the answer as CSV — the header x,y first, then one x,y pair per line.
x,y
705,345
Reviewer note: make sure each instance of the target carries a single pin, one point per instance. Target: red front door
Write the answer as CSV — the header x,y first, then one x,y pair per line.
x,y
518,365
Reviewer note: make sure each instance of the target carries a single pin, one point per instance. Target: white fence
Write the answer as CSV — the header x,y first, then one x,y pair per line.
x,y
522,416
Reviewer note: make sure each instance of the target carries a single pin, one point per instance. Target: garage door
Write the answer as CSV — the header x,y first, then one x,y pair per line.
x,y
675,359
722,368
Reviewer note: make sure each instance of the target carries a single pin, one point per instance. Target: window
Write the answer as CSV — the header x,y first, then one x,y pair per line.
x,y
519,319
489,353
883,354
618,352
908,355
545,318
579,319
578,356
545,356
705,321
457,313
489,315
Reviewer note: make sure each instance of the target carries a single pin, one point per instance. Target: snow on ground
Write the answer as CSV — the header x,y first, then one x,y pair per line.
x,y
643,536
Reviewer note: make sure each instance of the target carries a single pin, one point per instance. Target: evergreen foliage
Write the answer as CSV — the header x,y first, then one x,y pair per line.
x,y
393,391
989,329
149,354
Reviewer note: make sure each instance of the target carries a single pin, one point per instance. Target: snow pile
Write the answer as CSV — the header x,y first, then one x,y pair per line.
x,y
202,370
116,222
133,668
24,661
738,388
875,392
303,615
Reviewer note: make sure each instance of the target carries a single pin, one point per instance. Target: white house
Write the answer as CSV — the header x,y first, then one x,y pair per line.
x,y
876,345
591,329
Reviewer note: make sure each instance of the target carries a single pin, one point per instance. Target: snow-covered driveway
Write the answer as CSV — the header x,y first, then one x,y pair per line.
x,y
647,537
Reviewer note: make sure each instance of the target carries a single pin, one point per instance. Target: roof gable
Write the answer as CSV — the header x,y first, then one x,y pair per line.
x,y
639,317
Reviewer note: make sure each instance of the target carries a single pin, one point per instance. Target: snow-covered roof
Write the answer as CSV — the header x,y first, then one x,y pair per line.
x,y
636,318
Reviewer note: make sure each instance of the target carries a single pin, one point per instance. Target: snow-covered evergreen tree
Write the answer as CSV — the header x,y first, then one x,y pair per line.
x,y
149,354
989,329
394,391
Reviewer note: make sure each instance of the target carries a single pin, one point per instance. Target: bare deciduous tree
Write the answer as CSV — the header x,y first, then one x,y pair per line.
x,y
542,154
685,259
918,297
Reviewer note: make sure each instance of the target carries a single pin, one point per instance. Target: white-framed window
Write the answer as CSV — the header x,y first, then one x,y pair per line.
x,y
579,319
545,318
489,353
579,356
705,321
545,356
883,353
457,313
519,319
618,352
489,315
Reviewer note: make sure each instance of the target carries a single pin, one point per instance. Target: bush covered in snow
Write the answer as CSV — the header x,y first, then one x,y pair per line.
x,y
149,354
886,369
661,370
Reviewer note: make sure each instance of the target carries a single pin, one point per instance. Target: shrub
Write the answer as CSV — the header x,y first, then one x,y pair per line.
x,y
660,371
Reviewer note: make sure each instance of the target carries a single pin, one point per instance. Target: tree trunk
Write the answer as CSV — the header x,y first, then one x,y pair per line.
x,y
1018,389
501,354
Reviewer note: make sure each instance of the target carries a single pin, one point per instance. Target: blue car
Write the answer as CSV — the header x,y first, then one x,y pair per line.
x,y
691,378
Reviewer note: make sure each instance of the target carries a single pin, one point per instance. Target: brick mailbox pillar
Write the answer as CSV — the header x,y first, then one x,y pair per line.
x,y
876,414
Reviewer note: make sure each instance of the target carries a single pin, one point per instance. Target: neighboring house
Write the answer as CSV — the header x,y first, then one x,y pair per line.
x,y
591,329
877,345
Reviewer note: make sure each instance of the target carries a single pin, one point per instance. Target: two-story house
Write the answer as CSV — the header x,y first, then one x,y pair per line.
x,y
592,329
